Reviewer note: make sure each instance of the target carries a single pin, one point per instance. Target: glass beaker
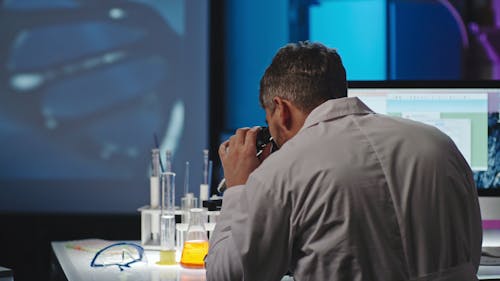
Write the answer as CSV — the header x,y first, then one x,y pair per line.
x,y
167,220
196,243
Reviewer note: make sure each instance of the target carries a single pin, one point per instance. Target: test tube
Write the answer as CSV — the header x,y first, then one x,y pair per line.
x,y
188,201
154,192
167,221
154,179
186,179
205,166
168,161
210,166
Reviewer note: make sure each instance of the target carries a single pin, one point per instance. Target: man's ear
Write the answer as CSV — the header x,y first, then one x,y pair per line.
x,y
282,108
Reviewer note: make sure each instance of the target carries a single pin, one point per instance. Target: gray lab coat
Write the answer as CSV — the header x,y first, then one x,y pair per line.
x,y
353,196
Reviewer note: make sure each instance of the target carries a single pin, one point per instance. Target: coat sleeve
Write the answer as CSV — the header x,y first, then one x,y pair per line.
x,y
251,240
223,261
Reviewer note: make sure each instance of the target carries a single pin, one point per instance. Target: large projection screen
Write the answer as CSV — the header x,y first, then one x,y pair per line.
x,y
87,89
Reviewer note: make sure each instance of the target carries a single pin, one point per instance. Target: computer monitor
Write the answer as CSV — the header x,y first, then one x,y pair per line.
x,y
468,112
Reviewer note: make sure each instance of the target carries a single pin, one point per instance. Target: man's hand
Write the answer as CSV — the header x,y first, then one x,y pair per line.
x,y
238,156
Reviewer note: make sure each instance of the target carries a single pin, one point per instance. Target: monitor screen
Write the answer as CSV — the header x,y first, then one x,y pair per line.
x,y
467,112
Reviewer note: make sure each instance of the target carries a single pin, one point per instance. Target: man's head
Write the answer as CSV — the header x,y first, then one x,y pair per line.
x,y
301,76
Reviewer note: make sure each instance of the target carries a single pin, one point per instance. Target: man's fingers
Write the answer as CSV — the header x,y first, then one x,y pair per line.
x,y
239,137
251,136
238,156
243,140
223,148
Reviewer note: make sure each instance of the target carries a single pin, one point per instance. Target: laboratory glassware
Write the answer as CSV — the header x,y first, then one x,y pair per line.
x,y
167,220
196,244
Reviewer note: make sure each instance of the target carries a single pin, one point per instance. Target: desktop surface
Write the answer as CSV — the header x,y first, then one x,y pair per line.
x,y
75,264
6,274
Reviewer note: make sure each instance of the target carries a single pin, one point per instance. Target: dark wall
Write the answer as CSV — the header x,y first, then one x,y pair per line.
x,y
25,238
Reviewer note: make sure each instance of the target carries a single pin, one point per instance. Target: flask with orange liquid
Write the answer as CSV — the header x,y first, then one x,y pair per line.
x,y
196,243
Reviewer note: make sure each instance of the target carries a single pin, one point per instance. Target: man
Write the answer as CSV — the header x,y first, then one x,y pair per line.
x,y
350,194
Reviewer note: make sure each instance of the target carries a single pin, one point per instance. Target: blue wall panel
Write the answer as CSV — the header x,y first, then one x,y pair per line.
x,y
255,30
426,41
357,29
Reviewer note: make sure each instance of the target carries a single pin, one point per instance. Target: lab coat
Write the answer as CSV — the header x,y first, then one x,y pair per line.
x,y
353,196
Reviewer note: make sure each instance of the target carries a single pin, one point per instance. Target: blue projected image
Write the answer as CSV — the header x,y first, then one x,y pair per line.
x,y
84,87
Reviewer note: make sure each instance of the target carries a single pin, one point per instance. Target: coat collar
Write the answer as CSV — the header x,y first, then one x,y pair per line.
x,y
336,108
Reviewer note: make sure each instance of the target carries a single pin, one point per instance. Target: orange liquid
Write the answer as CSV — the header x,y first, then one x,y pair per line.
x,y
194,253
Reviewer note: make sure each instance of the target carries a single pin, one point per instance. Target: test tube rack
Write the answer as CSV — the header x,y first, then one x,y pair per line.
x,y
148,234
149,214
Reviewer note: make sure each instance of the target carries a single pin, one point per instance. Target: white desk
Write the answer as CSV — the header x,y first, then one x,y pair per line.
x,y
491,238
6,274
76,266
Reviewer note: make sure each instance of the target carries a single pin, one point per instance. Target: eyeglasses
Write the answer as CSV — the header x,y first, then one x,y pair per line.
x,y
121,254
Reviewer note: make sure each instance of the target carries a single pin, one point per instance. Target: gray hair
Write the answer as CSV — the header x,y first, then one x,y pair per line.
x,y
306,74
